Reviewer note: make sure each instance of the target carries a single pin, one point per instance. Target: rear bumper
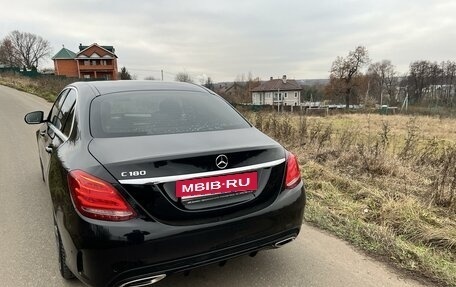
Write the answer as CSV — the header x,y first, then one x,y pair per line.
x,y
192,262
109,254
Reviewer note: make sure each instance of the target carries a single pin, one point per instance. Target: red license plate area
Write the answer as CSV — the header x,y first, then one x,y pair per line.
x,y
217,184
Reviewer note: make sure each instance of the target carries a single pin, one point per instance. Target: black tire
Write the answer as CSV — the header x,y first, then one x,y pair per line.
x,y
65,272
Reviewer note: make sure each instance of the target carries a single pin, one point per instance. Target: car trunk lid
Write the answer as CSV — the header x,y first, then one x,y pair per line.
x,y
149,167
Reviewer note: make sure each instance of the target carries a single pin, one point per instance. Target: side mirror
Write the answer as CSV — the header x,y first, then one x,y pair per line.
x,y
34,117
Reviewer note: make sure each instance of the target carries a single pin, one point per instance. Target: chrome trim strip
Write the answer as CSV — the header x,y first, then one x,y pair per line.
x,y
146,281
63,137
163,179
282,242
211,195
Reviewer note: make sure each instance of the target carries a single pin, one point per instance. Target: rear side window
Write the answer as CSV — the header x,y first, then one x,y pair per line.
x,y
68,105
161,112
68,124
60,118
53,115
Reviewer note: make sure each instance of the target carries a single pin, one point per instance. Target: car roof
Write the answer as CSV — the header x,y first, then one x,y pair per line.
x,y
108,87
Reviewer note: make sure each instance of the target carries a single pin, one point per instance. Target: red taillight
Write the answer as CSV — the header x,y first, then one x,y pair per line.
x,y
97,199
292,174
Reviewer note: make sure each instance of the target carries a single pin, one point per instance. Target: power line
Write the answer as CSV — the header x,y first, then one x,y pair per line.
x,y
143,70
164,71
161,72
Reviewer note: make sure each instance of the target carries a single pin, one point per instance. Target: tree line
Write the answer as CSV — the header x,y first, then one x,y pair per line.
x,y
432,82
356,79
353,79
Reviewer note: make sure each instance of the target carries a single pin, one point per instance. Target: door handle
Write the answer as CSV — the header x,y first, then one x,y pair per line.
x,y
48,149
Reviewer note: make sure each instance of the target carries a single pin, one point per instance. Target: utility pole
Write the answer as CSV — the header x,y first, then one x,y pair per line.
x,y
406,100
162,74
278,99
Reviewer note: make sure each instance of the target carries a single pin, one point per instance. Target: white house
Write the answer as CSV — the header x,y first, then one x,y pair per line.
x,y
277,92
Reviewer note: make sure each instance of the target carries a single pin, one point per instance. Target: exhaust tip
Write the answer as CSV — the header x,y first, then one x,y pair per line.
x,y
282,242
143,282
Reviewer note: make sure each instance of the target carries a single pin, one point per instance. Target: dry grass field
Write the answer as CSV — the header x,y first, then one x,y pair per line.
x,y
385,183
47,87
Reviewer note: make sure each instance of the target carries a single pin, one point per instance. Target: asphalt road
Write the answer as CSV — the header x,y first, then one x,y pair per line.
x,y
27,248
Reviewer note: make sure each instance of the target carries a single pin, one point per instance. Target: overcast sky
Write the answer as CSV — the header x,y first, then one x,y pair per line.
x,y
223,39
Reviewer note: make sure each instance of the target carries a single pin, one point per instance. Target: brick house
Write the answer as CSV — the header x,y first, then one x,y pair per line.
x,y
91,62
277,91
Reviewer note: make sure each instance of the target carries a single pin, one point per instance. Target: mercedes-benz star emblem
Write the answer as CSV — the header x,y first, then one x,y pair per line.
x,y
221,161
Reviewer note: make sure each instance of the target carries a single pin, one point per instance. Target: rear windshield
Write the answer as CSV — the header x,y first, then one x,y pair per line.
x,y
161,112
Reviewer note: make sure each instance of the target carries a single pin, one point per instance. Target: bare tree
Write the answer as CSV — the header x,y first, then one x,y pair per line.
x,y
449,72
8,55
249,85
183,77
29,48
345,70
418,79
240,78
382,78
240,90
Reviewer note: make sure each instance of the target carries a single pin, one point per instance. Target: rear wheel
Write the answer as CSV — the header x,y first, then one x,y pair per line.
x,y
63,268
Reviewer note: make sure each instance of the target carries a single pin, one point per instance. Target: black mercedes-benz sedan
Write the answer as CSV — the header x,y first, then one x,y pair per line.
x,y
151,178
